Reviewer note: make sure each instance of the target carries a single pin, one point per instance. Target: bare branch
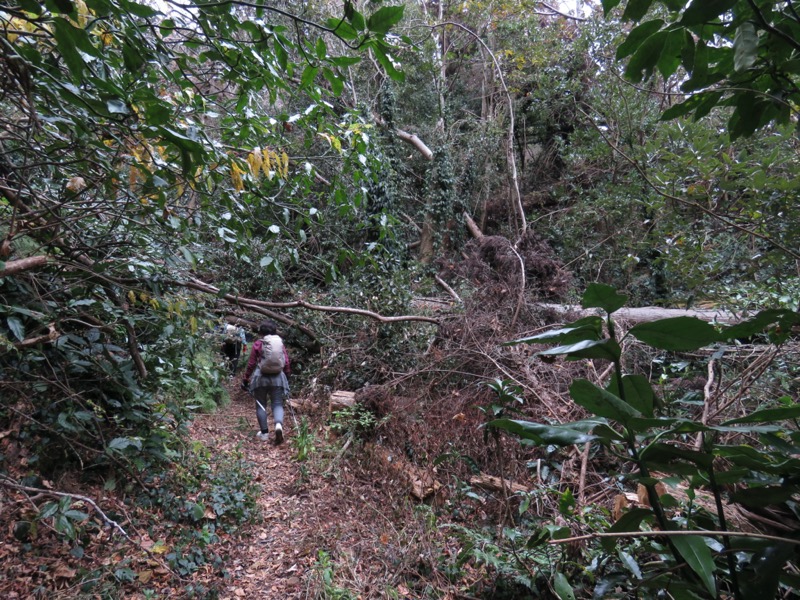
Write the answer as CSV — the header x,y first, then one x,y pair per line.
x,y
243,301
8,482
13,267
416,142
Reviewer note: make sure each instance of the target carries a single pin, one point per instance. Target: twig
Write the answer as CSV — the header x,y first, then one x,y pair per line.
x,y
339,454
8,482
706,402
582,481
448,289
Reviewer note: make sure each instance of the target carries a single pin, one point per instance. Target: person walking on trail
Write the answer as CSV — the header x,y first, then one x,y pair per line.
x,y
232,345
266,377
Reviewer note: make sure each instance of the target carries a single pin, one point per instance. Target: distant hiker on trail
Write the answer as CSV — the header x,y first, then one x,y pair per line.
x,y
232,344
265,376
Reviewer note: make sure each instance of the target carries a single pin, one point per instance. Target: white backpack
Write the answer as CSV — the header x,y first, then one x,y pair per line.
x,y
273,359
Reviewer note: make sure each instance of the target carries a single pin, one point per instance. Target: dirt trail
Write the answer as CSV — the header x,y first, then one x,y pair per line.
x,y
272,560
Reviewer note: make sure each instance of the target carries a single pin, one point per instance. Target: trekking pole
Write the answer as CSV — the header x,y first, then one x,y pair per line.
x,y
291,410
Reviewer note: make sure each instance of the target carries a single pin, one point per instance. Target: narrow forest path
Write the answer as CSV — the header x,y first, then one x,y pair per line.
x,y
334,513
271,558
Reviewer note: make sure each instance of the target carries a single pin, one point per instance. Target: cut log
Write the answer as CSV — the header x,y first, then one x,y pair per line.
x,y
495,484
302,404
341,400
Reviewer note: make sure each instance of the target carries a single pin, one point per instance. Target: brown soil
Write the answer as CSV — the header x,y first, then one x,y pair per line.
x,y
354,520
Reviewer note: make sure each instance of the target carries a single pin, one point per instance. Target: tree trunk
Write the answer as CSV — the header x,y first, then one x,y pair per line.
x,y
645,314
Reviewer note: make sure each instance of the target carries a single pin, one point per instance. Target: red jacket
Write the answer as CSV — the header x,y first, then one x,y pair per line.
x,y
255,358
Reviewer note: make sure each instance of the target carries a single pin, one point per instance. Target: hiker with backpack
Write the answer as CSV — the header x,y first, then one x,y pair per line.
x,y
232,344
265,377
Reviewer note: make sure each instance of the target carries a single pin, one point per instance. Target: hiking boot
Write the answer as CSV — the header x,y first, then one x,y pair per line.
x,y
278,433
263,436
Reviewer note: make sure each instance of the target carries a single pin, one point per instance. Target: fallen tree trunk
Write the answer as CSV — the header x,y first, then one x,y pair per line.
x,y
646,314
495,484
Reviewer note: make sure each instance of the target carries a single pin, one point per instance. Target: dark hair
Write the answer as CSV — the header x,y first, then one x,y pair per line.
x,y
268,328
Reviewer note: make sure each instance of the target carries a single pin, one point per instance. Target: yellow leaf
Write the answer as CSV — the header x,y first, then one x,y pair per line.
x,y
285,164
132,296
236,177
83,12
254,160
160,547
192,324
266,163
106,37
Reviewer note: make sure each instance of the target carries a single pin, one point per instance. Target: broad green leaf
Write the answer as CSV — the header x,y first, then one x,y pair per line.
x,y
538,538
321,50
764,495
345,61
382,20
692,104
600,295
16,327
745,47
342,29
769,415
590,328
678,333
48,510
645,59
609,5
63,33
308,76
76,515
761,576
638,35
636,9
629,521
281,54
629,562
117,106
605,349
357,20
670,57
750,113
560,435
132,56
337,85
697,555
387,63
703,11
667,453
600,402
197,510
121,443
562,587
783,320
636,391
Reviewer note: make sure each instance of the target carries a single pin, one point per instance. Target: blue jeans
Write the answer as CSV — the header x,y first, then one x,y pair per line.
x,y
275,393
